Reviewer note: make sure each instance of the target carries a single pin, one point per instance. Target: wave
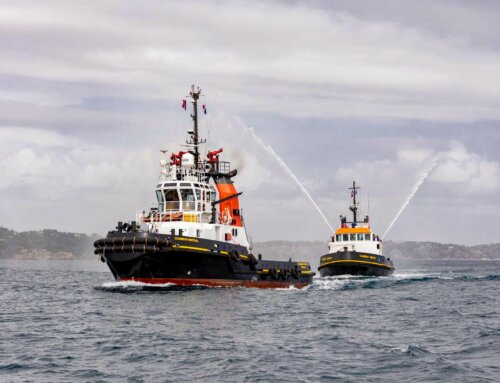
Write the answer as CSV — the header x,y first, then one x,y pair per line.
x,y
134,286
351,282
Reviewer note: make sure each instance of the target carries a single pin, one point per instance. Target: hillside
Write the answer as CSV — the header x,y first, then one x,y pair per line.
x,y
53,244
45,244
395,250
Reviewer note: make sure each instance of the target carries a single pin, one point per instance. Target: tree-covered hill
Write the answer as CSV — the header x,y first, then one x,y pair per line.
x,y
45,244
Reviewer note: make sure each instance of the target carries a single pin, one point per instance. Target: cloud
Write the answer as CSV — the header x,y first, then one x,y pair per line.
x,y
51,166
335,61
470,171
340,90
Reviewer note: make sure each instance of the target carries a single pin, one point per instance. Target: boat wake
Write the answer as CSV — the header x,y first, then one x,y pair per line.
x,y
351,282
134,286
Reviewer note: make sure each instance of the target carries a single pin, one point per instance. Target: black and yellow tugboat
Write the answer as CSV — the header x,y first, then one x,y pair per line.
x,y
355,249
195,233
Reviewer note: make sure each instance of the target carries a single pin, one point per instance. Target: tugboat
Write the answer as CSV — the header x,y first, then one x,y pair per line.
x,y
355,249
195,232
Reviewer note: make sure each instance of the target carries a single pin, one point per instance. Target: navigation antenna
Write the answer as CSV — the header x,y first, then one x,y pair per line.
x,y
354,205
195,138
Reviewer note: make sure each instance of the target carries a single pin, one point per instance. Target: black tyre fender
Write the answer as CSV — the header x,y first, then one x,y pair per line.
x,y
285,274
252,260
235,256
273,273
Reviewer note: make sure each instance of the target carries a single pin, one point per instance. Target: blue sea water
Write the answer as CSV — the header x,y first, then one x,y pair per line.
x,y
68,321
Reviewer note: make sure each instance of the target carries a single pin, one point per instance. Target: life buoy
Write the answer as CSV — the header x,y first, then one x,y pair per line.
x,y
225,217
273,273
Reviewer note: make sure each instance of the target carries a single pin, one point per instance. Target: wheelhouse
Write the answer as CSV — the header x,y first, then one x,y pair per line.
x,y
185,197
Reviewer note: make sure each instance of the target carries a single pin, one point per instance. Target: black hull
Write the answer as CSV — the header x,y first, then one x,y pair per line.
x,y
186,261
354,263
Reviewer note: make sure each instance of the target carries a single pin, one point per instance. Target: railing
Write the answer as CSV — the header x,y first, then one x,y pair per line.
x,y
156,216
183,173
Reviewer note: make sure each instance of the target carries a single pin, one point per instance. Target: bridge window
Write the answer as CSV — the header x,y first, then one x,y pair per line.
x,y
188,201
345,237
353,237
339,237
159,197
367,237
360,237
171,199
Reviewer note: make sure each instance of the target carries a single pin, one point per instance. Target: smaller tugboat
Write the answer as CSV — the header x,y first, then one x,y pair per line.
x,y
355,249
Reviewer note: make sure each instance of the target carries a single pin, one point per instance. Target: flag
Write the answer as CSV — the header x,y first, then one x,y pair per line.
x,y
204,107
184,104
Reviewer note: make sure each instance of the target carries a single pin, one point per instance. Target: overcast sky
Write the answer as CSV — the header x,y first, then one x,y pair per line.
x,y
375,92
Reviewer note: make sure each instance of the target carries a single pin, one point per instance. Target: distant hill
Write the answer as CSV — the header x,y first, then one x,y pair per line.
x,y
45,244
53,244
395,250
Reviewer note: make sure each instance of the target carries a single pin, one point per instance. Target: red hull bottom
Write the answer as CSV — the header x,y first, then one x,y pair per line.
x,y
218,282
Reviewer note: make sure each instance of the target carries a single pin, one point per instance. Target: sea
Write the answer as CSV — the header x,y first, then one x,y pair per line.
x,y
69,321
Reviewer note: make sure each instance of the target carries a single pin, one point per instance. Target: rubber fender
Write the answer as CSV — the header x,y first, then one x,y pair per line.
x,y
138,248
273,273
235,255
285,274
252,260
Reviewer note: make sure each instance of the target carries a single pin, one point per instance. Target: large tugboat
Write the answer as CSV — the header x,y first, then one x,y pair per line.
x,y
354,248
195,233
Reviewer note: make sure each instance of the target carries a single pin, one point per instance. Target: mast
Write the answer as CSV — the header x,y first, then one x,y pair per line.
x,y
195,138
354,205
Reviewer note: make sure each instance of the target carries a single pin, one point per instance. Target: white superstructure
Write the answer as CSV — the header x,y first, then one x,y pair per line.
x,y
196,197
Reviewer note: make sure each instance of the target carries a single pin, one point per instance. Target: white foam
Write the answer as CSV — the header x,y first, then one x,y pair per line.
x,y
133,284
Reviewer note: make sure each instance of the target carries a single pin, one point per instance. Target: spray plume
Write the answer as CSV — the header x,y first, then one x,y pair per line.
x,y
287,170
414,191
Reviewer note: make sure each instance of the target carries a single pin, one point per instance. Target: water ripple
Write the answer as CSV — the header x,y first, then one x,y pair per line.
x,y
432,323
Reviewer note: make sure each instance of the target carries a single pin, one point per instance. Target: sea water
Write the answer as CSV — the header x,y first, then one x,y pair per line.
x,y
431,321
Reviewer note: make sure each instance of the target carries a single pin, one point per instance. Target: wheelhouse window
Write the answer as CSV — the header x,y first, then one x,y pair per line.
x,y
198,198
339,237
367,237
171,199
188,201
161,200
352,237
360,237
345,237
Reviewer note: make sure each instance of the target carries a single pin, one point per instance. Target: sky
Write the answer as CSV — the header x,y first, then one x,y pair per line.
x,y
377,92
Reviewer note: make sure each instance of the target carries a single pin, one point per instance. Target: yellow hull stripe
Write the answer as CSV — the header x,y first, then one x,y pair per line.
x,y
192,248
352,261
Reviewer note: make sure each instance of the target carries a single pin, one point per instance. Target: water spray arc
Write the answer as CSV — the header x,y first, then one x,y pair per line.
x,y
414,191
287,170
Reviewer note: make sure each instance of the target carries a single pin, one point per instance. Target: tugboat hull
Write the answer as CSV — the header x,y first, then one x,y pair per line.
x,y
354,263
186,261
